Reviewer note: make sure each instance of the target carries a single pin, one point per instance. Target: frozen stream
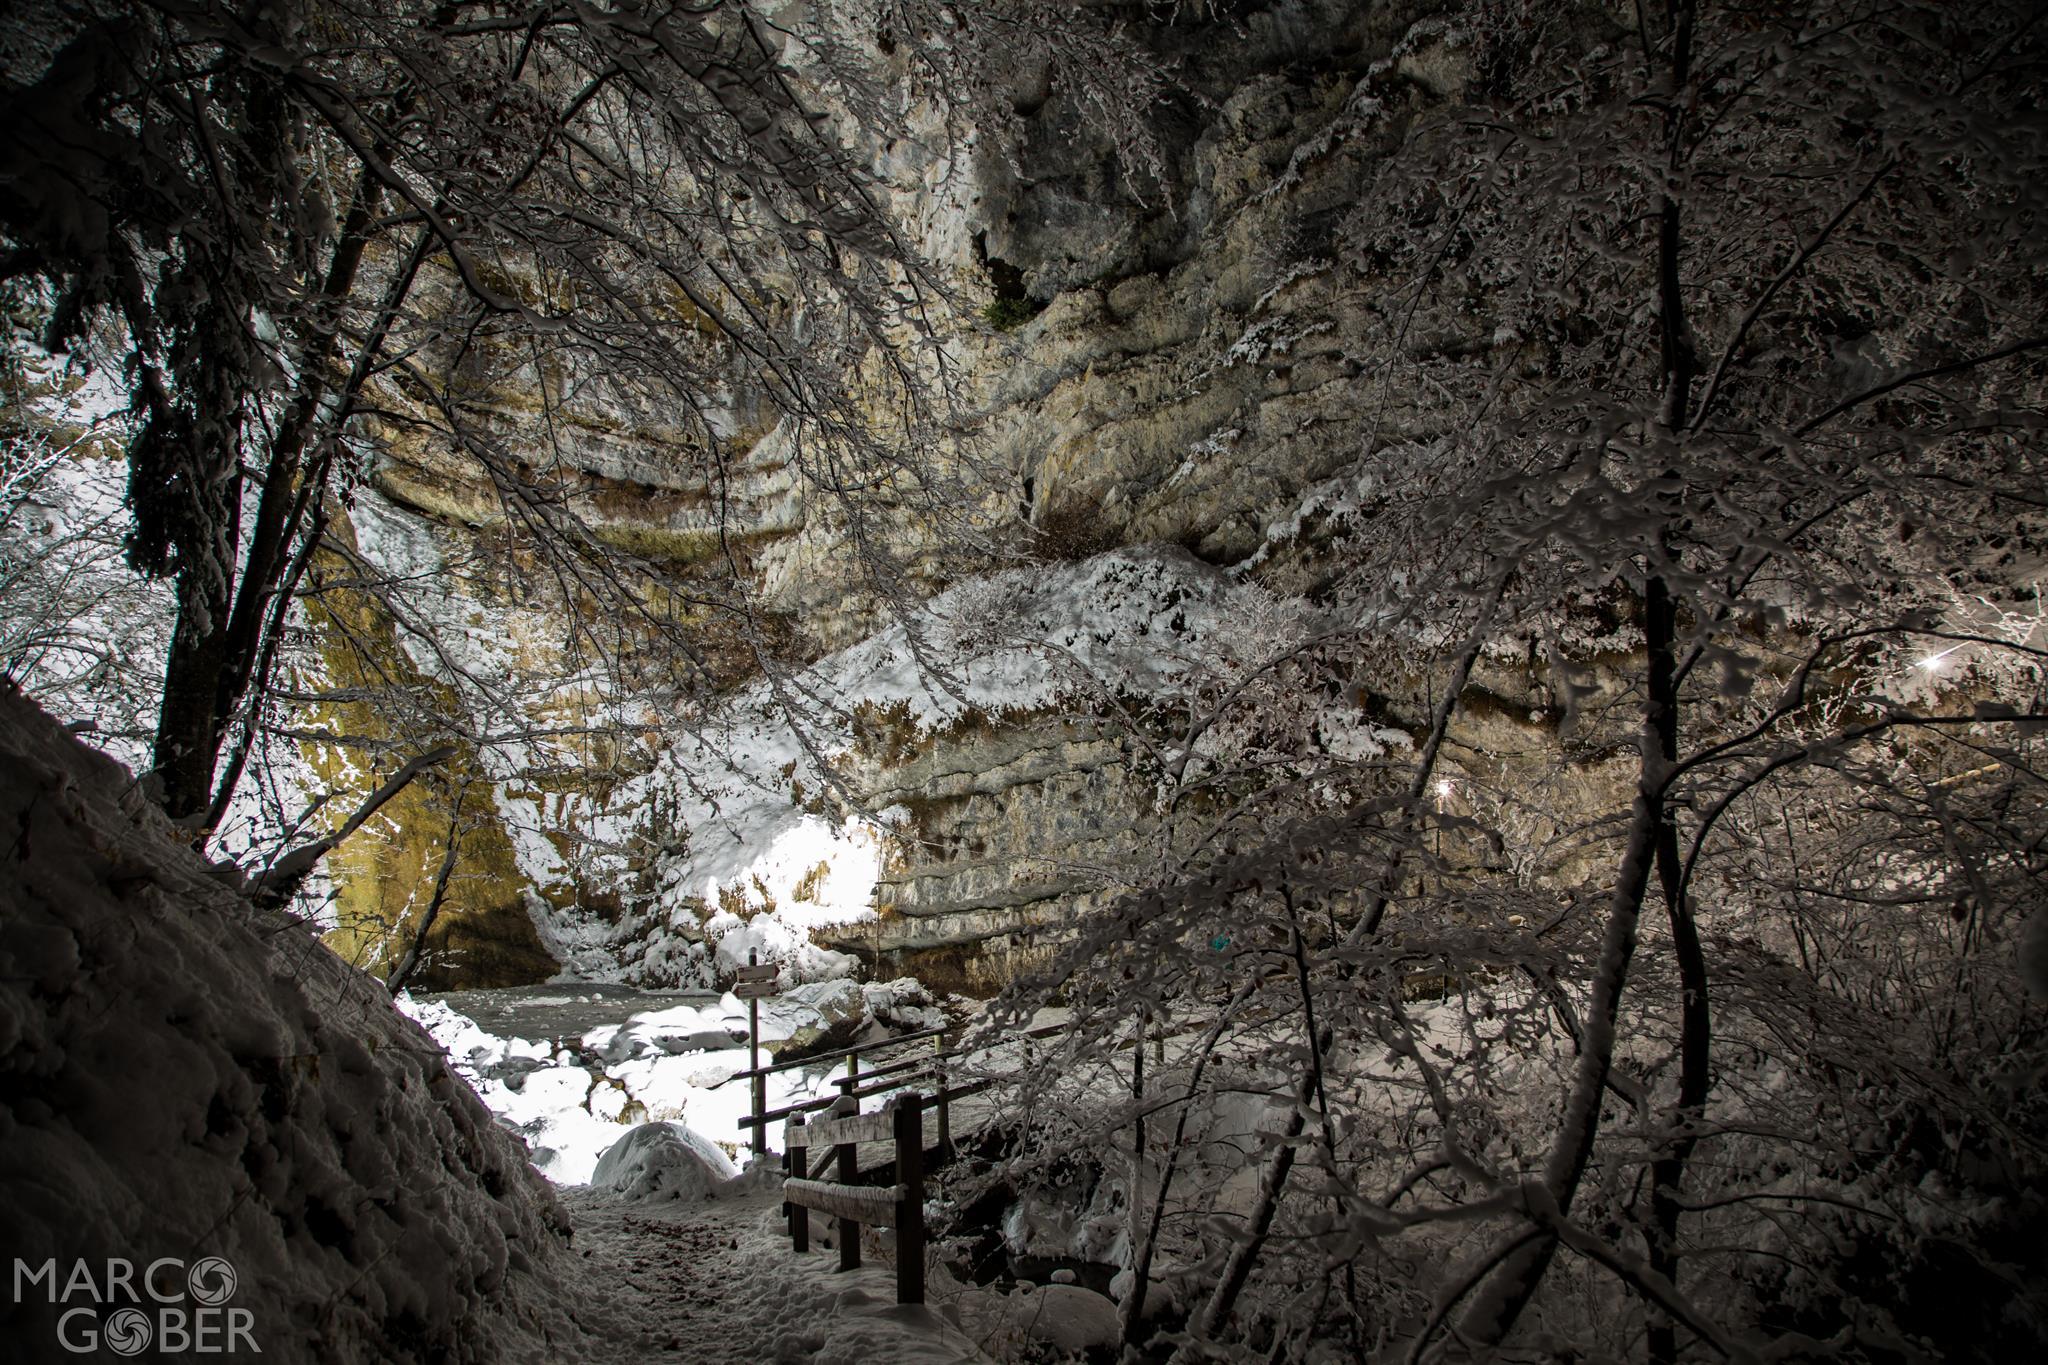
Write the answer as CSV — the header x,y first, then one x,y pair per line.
x,y
561,1013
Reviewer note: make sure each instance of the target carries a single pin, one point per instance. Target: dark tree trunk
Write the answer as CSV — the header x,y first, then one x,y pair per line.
x,y
227,583
188,732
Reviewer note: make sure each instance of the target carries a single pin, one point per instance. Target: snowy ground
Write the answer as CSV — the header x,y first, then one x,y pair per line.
x,y
682,1260
714,1280
717,1283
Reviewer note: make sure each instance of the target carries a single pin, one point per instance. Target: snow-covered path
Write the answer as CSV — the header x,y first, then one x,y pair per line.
x,y
715,1283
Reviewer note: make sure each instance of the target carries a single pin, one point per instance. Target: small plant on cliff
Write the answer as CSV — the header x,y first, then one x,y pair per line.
x,y
1008,314
1071,532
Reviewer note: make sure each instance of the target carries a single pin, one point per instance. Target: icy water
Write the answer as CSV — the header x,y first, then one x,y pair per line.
x,y
563,1012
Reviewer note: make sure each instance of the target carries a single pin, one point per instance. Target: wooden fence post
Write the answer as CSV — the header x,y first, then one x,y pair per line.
x,y
757,1084
848,1173
944,1104
799,1216
909,1111
760,1108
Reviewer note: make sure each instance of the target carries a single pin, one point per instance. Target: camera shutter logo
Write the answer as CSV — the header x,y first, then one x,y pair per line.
x,y
127,1333
211,1281
172,1307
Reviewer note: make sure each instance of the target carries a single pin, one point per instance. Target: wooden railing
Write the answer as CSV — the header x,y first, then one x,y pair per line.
x,y
757,1077
837,1136
929,1070
899,1206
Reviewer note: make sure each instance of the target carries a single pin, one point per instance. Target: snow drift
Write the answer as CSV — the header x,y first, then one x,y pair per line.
x,y
662,1160
209,1123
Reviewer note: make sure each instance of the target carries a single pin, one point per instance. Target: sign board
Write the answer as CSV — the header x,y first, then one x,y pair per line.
x,y
754,990
763,971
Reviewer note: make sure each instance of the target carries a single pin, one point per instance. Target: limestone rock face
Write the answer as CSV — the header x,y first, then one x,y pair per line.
x,y
1188,376
1184,379
1008,834
1011,834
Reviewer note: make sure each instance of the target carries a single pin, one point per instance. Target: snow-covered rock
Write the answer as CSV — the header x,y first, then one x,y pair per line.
x,y
679,1029
1162,1290
191,1082
903,1004
571,1098
660,1161
1065,1317
818,1014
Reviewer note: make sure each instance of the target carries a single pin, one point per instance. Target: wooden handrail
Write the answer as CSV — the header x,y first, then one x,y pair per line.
x,y
856,1087
832,1056
908,1064
813,1106
944,1094
863,1091
859,1049
961,1092
911,1063
879,1126
835,1139
806,1107
871,1204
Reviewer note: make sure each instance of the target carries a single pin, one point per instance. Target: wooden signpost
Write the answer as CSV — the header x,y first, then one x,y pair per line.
x,y
755,982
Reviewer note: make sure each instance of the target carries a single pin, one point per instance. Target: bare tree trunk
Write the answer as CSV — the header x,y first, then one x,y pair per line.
x,y
1141,1265
309,513
1679,363
1216,1310
187,736
1503,1295
224,593
1667,1173
416,951
1652,840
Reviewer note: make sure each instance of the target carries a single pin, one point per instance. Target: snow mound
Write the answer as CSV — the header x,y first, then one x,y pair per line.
x,y
196,1088
664,1160
1065,1317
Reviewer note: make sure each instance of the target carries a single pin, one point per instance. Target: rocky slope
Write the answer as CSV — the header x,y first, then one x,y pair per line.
x,y
1205,354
